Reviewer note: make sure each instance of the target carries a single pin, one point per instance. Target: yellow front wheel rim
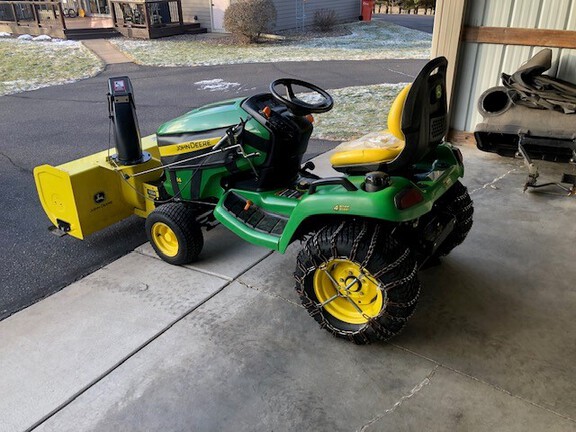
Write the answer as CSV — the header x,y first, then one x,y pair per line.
x,y
165,239
347,291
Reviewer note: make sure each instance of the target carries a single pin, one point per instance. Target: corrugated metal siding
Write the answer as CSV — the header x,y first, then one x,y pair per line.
x,y
347,10
481,65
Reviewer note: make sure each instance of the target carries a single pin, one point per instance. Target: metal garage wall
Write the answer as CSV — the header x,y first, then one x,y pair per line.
x,y
480,65
446,36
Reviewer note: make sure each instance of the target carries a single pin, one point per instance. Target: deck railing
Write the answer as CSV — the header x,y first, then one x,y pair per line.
x,y
146,14
28,13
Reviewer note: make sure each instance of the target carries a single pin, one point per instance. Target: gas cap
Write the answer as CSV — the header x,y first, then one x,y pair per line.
x,y
376,180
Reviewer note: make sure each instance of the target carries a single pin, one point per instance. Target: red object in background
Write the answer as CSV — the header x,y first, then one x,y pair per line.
x,y
367,8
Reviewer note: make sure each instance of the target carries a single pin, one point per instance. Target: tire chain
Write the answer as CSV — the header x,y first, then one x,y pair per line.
x,y
371,247
314,309
395,264
317,244
333,238
396,283
357,240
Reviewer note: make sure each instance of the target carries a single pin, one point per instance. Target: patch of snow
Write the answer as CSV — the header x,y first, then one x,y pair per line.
x,y
25,37
42,38
64,43
216,84
5,34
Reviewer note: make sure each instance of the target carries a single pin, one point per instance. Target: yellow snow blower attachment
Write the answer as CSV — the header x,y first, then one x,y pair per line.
x,y
88,194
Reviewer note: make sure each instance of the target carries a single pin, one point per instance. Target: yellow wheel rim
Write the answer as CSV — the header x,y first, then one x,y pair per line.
x,y
165,239
347,292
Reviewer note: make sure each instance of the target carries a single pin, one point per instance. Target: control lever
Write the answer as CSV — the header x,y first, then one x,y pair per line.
x,y
232,133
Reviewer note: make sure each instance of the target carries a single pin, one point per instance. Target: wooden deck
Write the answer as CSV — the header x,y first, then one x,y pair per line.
x,y
133,18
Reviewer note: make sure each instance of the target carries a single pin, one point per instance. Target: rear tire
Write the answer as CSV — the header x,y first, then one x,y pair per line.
x,y
457,202
357,281
174,233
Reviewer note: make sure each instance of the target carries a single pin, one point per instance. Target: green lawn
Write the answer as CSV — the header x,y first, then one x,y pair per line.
x,y
374,40
28,65
357,111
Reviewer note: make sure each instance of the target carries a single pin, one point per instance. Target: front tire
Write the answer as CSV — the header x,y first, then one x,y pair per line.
x,y
174,233
357,281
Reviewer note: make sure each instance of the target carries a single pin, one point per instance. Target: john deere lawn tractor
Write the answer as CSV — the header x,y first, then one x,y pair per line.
x,y
238,163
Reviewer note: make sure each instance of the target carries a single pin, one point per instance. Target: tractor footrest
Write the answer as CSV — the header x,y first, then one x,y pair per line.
x,y
254,216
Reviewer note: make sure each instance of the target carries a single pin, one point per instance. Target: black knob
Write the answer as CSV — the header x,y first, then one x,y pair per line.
x,y
376,180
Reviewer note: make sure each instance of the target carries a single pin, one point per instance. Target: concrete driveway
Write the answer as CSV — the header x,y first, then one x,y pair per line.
x,y
224,345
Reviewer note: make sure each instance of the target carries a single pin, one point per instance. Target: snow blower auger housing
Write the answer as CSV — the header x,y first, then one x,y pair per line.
x,y
86,195
239,163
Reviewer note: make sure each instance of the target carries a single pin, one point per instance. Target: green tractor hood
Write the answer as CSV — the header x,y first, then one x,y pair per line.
x,y
214,116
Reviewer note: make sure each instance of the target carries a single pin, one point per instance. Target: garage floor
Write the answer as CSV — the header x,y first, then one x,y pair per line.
x,y
225,346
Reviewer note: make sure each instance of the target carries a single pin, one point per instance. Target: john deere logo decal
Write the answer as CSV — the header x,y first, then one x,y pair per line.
x,y
187,147
438,91
99,197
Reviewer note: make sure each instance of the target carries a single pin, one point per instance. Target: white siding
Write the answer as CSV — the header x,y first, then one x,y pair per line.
x,y
199,8
481,65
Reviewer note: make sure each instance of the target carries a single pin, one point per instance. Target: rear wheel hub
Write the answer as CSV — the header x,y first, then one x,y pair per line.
x,y
347,291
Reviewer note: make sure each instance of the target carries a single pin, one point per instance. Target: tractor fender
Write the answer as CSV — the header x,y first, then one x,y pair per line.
x,y
334,201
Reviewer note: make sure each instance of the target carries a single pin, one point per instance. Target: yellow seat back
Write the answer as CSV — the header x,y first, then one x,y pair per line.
x,y
395,114
375,148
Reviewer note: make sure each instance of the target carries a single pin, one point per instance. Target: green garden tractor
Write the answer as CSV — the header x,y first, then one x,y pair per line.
x,y
364,234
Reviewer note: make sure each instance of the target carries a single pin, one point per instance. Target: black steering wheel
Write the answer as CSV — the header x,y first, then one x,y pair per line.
x,y
298,106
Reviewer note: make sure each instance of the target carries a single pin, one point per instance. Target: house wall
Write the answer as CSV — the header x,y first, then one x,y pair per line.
x,y
481,64
346,10
199,8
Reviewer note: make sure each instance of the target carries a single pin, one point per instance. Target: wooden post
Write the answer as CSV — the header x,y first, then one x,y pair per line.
x,y
113,13
36,15
14,13
147,19
146,15
61,12
180,17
